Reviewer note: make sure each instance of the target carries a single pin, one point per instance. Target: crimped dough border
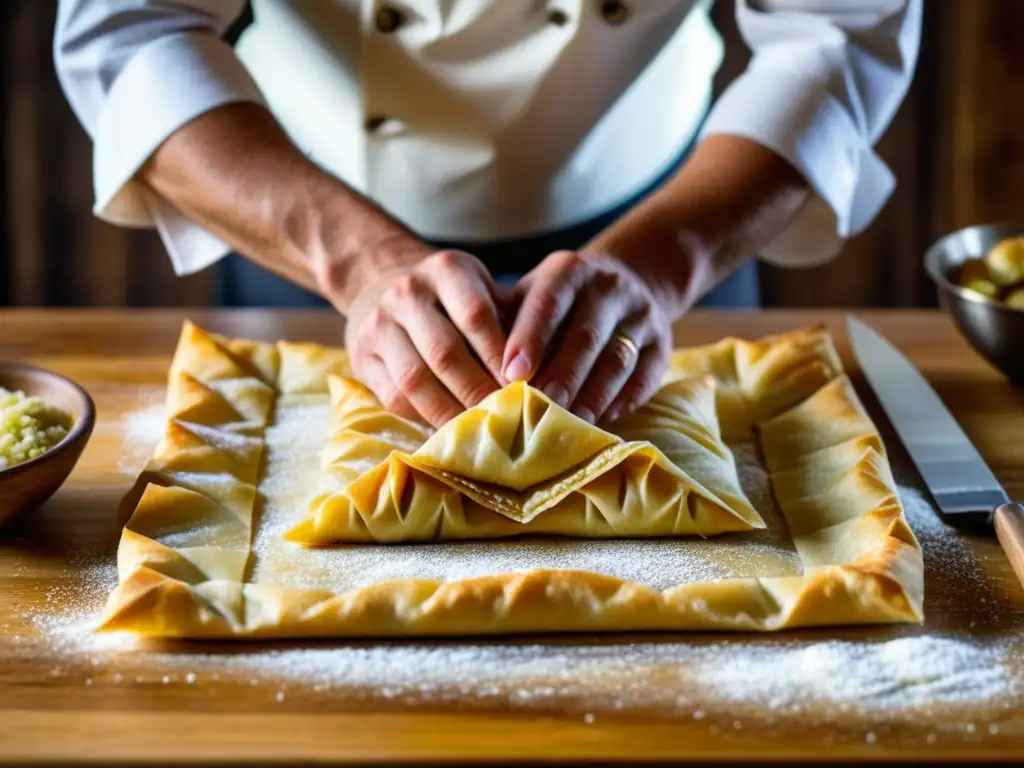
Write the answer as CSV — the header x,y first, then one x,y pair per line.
x,y
862,563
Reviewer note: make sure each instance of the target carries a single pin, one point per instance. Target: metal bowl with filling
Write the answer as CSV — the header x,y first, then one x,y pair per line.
x,y
994,327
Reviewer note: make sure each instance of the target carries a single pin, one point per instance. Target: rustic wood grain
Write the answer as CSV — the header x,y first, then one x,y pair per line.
x,y
53,250
978,155
122,359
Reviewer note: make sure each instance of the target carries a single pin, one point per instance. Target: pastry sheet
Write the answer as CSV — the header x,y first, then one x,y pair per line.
x,y
518,464
202,554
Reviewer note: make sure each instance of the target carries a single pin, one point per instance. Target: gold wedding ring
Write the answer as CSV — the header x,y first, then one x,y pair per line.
x,y
628,343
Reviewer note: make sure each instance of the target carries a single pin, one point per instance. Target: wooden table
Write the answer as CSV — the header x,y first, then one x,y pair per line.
x,y
122,358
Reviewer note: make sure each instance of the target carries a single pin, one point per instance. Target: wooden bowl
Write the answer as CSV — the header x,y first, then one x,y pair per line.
x,y
25,486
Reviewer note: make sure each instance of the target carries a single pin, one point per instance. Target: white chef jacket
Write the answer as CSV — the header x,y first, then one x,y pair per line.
x,y
476,120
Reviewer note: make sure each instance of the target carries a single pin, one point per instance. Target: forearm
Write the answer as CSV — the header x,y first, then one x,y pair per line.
x,y
234,171
730,199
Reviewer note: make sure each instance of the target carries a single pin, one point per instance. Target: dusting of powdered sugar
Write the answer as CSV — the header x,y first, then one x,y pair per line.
x,y
141,430
292,476
920,677
903,673
882,678
941,679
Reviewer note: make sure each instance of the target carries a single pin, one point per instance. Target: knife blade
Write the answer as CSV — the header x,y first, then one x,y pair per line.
x,y
965,490
963,486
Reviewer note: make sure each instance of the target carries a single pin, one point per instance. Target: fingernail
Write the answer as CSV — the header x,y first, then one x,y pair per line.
x,y
518,369
586,414
613,414
558,393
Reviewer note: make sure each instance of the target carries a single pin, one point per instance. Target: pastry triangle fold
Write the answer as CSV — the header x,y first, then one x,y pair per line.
x,y
516,438
518,463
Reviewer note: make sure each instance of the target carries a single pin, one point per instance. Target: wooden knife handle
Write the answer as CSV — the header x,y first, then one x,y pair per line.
x,y
1009,522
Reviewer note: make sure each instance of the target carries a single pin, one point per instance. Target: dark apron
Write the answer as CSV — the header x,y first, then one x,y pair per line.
x,y
244,284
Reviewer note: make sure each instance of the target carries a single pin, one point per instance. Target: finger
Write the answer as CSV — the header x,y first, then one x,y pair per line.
x,y
507,301
468,298
509,306
414,379
642,384
549,295
372,372
440,345
503,294
516,294
599,309
614,367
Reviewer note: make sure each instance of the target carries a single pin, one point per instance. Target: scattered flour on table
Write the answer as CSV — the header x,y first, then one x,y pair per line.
x,y
141,430
924,670
291,478
906,672
920,674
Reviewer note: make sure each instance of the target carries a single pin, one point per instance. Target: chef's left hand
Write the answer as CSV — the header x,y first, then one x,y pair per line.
x,y
590,334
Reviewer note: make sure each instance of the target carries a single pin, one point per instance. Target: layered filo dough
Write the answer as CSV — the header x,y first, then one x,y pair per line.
x,y
185,559
519,464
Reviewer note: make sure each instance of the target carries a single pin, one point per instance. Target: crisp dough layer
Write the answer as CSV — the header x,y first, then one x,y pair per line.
x,y
519,464
184,554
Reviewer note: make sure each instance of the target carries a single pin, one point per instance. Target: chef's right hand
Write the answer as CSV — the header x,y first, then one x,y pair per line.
x,y
427,338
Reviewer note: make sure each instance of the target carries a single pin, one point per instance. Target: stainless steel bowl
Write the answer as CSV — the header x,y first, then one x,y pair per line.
x,y
993,329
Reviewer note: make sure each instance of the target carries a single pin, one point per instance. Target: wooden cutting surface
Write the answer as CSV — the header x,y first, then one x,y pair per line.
x,y
54,708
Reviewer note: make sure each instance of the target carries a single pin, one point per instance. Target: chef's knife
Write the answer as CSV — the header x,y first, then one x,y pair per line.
x,y
968,495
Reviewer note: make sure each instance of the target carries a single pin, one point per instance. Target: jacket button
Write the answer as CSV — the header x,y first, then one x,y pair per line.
x,y
614,11
558,17
388,19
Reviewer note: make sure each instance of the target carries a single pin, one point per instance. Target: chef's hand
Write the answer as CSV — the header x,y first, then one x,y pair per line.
x,y
590,334
427,338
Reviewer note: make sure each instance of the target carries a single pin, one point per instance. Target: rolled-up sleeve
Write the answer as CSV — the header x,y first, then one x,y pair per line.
x,y
823,84
134,72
